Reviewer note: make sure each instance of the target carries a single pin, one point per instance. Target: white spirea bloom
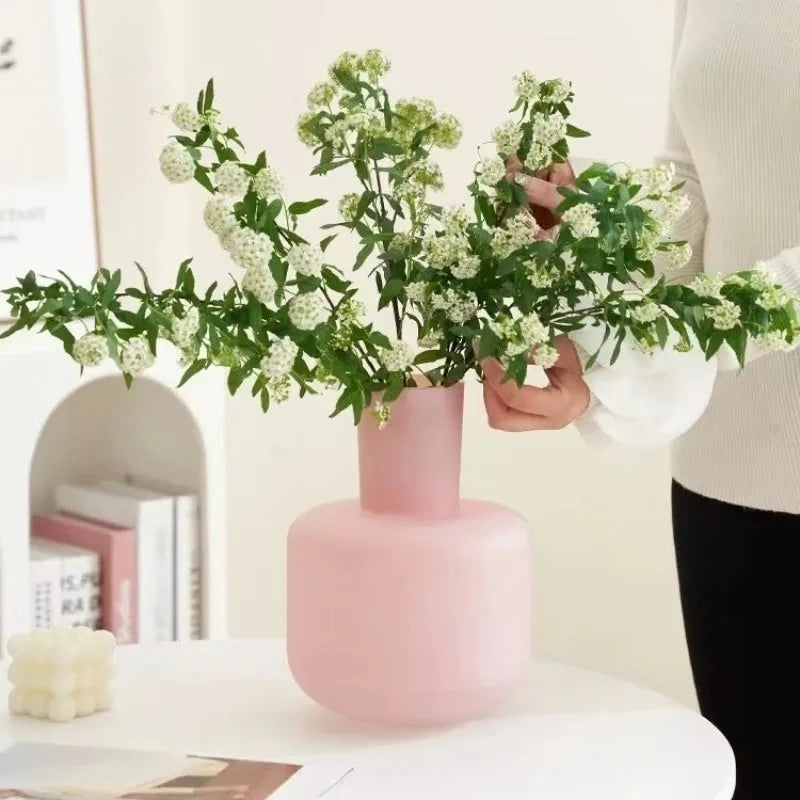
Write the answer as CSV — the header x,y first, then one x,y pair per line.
x,y
581,221
707,284
375,63
548,128
396,358
759,278
458,306
306,312
526,86
724,316
647,245
259,282
231,179
185,328
657,180
538,157
136,356
540,277
90,350
188,355
507,137
646,312
430,340
448,131
455,219
267,182
348,62
322,95
185,117
678,256
442,250
306,259
556,90
177,164
466,267
279,361
337,132
674,206
250,249
411,116
426,173
348,206
308,138
773,297
370,123
520,231
532,330
399,243
416,291
491,170
545,356
218,214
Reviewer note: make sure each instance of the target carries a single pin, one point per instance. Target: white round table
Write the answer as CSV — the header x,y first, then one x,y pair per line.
x,y
567,734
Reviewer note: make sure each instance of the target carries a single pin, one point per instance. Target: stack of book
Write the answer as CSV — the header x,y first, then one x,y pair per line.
x,y
124,556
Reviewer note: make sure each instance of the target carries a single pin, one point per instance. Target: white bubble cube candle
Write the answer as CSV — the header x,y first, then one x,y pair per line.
x,y
60,673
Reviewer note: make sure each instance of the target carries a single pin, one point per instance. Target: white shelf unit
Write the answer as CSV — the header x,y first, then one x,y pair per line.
x,y
59,426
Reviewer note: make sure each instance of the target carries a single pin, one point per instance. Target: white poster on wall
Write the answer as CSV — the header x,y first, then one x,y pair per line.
x,y
46,199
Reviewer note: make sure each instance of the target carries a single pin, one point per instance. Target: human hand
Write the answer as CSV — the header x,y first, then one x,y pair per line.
x,y
529,408
542,190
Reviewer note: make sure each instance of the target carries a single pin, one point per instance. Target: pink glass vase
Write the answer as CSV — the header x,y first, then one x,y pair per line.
x,y
409,606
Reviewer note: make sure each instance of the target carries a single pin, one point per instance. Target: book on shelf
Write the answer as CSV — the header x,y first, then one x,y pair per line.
x,y
188,554
152,520
35,771
45,571
79,580
116,549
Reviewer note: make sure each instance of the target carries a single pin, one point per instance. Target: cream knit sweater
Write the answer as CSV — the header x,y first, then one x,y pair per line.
x,y
734,135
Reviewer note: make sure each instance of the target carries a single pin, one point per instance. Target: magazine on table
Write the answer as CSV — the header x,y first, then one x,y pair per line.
x,y
33,771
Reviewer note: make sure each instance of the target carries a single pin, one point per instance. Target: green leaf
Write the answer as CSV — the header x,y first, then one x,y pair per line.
x,y
236,376
380,340
363,255
323,245
334,281
265,400
662,331
576,133
737,339
394,389
209,95
145,281
304,206
618,346
193,369
489,343
254,313
429,356
392,289
486,210
715,341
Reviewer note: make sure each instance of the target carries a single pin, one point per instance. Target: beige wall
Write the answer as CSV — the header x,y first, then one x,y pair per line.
x,y
606,593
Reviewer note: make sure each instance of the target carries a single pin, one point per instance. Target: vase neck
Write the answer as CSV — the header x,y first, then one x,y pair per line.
x,y
413,465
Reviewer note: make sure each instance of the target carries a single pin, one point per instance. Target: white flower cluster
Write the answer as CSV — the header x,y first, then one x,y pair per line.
x,y
137,356
349,315
399,243
259,282
776,341
548,128
655,181
541,277
218,215
90,350
375,64
450,249
322,95
526,86
538,157
267,182
185,117
507,137
708,284
417,291
582,221
306,311
724,316
491,170
397,358
305,259
382,414
304,134
348,205
545,356
279,361
678,256
520,231
556,91
232,179
646,312
185,328
176,162
519,335
458,306
447,131
415,114
248,249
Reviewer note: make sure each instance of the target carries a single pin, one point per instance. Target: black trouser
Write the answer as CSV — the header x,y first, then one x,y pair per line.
x,y
739,572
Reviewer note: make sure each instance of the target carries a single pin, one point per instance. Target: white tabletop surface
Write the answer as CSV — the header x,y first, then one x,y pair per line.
x,y
567,734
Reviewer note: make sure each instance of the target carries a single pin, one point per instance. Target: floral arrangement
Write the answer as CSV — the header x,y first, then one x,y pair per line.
x,y
458,285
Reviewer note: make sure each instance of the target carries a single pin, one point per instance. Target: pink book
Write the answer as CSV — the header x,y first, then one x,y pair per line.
x,y
116,548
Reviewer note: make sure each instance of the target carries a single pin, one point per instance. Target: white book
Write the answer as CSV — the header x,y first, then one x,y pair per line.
x,y
188,555
151,518
80,581
45,588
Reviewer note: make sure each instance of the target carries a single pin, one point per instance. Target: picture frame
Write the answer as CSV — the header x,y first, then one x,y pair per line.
x,y
48,218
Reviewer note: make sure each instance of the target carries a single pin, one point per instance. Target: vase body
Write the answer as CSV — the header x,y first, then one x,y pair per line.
x,y
409,605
